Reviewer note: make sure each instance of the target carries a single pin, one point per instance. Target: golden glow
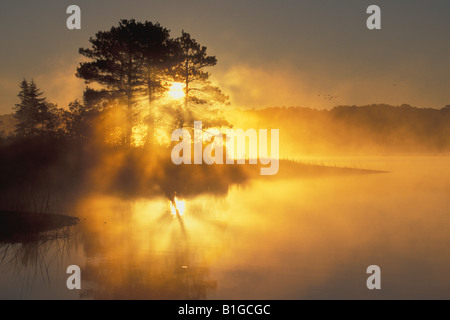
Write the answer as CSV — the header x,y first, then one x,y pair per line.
x,y
139,240
177,204
139,135
176,91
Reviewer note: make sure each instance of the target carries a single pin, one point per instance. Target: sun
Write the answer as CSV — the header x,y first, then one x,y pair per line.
x,y
176,91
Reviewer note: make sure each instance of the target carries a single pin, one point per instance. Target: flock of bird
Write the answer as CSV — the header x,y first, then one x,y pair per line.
x,y
328,96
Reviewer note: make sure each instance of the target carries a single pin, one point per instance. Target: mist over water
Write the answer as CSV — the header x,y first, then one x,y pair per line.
x,y
286,238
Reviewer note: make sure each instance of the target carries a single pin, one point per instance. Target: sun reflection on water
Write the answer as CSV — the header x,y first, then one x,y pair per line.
x,y
179,205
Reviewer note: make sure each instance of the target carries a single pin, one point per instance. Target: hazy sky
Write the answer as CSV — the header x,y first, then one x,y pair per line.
x,y
270,53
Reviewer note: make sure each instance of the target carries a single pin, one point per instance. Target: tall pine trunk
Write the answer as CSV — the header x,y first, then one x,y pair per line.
x,y
150,138
129,120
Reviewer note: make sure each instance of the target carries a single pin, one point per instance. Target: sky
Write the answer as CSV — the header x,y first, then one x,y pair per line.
x,y
310,53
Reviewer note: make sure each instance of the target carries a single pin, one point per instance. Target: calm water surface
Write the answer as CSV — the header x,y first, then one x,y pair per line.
x,y
298,238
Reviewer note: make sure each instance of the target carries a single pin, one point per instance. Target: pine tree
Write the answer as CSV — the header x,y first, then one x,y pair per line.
x,y
131,62
159,58
135,63
32,113
197,87
115,65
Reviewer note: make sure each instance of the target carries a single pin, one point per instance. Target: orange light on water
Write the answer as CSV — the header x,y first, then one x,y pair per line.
x,y
179,205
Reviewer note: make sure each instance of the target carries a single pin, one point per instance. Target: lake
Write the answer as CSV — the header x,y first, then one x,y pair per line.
x,y
306,237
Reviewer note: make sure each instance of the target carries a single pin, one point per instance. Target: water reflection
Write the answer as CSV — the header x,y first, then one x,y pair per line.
x,y
287,238
177,207
32,259
142,250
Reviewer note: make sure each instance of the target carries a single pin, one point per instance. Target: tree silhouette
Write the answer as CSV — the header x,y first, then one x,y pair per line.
x,y
159,56
82,114
191,72
2,133
33,112
135,63
116,66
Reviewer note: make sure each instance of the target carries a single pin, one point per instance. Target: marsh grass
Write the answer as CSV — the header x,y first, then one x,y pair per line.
x,y
31,257
27,226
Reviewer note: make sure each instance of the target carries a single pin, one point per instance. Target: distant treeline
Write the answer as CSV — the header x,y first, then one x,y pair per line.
x,y
377,128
